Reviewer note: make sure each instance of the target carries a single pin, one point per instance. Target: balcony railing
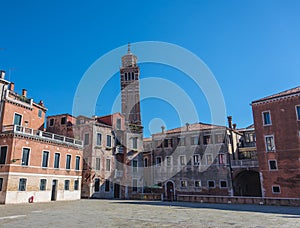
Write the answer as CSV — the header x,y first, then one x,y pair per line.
x,y
19,99
40,134
244,163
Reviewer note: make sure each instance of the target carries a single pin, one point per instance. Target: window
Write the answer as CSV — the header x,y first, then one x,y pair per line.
x,y
134,142
209,159
43,183
222,159
272,164
158,161
99,139
276,189
25,156
206,139
223,184
63,120
134,166
211,184
40,113
270,145
181,141
17,119
134,185
3,152
1,183
22,184
97,185
196,159
45,159
145,162
107,168
169,161
267,118
181,160
183,183
68,161
197,184
219,138
77,164
107,185
67,185
51,122
76,185
108,140
97,163
86,139
298,112
194,140
56,160
118,124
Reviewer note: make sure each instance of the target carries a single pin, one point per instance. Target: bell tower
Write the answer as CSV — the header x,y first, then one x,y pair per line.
x,y
130,91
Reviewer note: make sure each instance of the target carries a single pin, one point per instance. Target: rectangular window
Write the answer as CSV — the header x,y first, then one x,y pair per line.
x,y
40,113
51,122
267,118
270,145
219,138
145,162
76,185
211,184
196,159
298,112
56,160
222,159
183,183
181,141
3,152
68,161
99,139
45,159
272,164
134,185
18,119
77,164
223,184
181,160
209,159
134,142
67,185
97,185
86,139
195,140
1,183
97,163
118,124
206,139
63,120
168,161
108,140
134,166
158,161
107,167
197,184
22,184
43,183
276,189
107,185
25,156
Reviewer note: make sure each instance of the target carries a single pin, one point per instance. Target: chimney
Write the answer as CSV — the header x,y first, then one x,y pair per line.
x,y
12,86
187,126
2,74
24,92
234,126
162,129
229,121
41,103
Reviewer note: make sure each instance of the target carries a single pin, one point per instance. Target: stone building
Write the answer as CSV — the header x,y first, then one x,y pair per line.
x,y
277,127
34,165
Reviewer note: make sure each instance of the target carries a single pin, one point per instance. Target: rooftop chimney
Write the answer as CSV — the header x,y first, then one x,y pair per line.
x,y
229,121
12,86
234,126
187,126
24,92
41,103
2,74
162,129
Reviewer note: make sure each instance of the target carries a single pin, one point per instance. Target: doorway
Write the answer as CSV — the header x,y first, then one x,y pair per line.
x,y
54,190
116,191
170,191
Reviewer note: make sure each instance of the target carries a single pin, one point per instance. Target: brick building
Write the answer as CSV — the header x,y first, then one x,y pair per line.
x,y
34,163
277,126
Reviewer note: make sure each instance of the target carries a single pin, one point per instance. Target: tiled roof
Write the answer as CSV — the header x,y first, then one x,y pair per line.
x,y
281,94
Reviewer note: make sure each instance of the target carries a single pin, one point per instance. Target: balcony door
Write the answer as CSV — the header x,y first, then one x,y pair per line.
x,y
17,119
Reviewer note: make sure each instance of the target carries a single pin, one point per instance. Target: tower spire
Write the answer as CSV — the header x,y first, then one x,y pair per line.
x,y
128,50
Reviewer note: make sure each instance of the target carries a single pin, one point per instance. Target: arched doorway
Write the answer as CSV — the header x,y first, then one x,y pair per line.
x,y
170,191
247,183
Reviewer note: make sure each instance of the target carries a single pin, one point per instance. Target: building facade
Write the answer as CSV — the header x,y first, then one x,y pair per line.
x,y
277,127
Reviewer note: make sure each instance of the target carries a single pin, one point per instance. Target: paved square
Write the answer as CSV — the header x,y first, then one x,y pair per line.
x,y
127,213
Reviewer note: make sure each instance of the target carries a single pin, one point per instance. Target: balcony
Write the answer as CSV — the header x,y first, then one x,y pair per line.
x,y
18,99
119,150
41,134
244,164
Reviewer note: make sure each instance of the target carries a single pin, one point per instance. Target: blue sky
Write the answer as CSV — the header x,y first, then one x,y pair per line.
x,y
252,48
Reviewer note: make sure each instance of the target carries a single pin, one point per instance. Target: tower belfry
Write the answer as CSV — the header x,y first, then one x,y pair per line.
x,y
130,90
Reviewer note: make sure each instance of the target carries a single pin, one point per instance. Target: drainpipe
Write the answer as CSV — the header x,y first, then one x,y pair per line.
x,y
233,156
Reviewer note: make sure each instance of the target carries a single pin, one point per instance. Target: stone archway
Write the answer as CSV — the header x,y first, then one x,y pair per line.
x,y
247,183
170,191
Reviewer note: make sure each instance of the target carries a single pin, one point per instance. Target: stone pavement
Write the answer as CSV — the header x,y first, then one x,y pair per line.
x,y
128,213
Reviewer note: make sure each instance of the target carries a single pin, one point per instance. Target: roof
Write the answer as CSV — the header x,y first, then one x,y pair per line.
x,y
289,92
